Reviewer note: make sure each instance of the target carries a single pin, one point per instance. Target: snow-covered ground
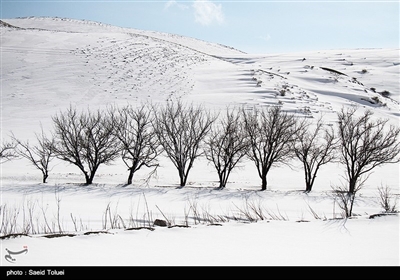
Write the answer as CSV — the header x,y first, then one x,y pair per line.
x,y
49,63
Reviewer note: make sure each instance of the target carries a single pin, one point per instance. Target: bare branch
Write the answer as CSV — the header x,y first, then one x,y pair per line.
x,y
226,145
8,151
271,135
314,148
366,143
86,140
181,130
39,155
134,130
387,200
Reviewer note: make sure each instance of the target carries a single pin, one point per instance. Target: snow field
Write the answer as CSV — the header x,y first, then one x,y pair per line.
x,y
51,64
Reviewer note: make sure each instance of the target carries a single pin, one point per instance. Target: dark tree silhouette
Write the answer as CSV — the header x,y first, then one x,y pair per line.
x,y
314,147
365,144
139,144
181,130
40,155
8,151
226,145
271,133
86,140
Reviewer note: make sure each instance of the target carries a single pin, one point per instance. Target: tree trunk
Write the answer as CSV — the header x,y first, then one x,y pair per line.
x,y
352,185
182,178
89,179
222,183
45,176
309,182
264,182
307,179
182,181
130,177
307,175
351,198
223,179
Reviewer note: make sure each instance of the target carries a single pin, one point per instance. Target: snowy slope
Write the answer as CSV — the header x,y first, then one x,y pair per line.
x,y
52,61
49,63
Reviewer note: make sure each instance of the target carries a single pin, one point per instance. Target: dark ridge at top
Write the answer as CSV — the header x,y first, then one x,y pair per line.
x,y
5,24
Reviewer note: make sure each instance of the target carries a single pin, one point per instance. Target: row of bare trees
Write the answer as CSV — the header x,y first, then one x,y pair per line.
x,y
267,136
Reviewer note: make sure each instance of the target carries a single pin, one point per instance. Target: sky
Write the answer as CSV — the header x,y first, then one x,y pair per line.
x,y
269,26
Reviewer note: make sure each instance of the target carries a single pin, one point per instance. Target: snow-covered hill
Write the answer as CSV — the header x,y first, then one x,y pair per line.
x,y
49,63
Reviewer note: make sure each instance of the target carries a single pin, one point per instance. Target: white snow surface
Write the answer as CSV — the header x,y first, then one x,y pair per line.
x,y
48,64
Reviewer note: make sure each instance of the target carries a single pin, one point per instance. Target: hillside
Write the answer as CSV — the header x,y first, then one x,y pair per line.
x,y
48,63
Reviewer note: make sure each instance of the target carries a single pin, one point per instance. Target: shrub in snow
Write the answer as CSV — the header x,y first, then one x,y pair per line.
x,y
345,200
387,200
385,93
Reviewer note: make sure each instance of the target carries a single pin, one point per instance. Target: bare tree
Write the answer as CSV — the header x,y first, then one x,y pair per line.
x,y
314,148
181,129
86,140
8,151
365,144
40,155
271,134
140,146
226,145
